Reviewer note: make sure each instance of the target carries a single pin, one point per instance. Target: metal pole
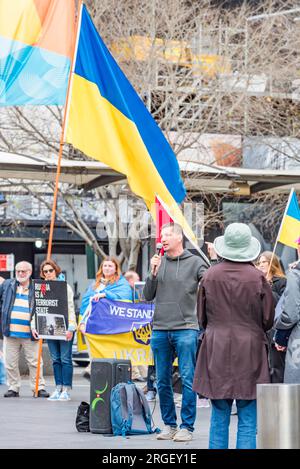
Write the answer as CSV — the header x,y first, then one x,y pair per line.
x,y
278,416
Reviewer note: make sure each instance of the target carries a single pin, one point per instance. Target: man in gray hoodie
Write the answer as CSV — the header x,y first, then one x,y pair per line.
x,y
173,282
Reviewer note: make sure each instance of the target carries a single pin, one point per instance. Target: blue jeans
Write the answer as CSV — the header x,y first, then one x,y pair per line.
x,y
2,372
220,420
61,355
166,344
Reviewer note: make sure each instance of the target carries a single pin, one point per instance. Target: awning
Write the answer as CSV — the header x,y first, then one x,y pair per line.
x,y
85,174
239,181
198,177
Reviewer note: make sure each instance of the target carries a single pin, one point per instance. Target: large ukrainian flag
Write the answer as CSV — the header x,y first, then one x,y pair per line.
x,y
289,231
109,122
36,45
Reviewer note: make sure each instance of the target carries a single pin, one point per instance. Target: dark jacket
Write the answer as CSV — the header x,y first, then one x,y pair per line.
x,y
289,324
278,285
8,291
236,307
175,291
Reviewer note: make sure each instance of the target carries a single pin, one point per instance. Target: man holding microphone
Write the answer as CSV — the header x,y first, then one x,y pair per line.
x,y
173,282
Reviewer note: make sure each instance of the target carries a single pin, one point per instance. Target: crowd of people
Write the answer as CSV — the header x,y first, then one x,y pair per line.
x,y
232,311
231,326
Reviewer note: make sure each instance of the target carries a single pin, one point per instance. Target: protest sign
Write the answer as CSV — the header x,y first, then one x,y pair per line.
x,y
51,309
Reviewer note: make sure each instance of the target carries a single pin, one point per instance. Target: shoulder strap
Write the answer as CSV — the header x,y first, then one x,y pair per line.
x,y
144,403
129,400
148,415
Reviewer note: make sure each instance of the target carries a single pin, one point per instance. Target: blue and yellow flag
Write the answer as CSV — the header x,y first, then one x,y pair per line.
x,y
36,45
109,122
120,330
116,317
134,346
289,232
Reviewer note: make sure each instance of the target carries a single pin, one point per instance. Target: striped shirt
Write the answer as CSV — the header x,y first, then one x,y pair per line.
x,y
20,316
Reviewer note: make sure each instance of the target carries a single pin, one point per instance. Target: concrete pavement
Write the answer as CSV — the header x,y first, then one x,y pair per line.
x,y
26,422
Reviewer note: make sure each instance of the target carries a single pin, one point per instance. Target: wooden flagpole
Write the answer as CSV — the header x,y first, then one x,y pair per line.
x,y
58,171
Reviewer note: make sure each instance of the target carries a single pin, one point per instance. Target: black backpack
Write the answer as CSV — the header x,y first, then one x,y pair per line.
x,y
83,417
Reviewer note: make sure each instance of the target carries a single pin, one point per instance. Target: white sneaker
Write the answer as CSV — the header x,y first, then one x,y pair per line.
x,y
167,433
183,435
54,396
64,396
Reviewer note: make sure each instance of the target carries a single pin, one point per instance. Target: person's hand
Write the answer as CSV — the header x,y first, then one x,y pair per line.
x,y
280,348
69,335
98,296
35,334
81,328
293,265
155,264
211,251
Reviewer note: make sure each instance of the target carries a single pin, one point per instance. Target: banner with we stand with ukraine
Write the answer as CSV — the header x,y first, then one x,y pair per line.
x,y
117,329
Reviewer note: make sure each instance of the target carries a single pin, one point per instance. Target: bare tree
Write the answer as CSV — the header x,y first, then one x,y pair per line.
x,y
204,69
109,204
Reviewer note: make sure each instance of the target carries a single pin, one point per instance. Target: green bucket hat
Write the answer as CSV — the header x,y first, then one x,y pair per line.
x,y
237,244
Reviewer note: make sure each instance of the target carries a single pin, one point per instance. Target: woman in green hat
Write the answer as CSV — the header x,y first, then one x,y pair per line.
x,y
235,307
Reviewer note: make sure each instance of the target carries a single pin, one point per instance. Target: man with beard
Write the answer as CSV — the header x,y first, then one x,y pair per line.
x,y
16,297
173,283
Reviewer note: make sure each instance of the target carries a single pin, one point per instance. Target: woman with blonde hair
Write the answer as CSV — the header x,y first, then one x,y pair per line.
x,y
109,284
269,264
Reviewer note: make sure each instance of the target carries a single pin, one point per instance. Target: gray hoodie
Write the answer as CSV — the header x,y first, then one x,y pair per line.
x,y
175,291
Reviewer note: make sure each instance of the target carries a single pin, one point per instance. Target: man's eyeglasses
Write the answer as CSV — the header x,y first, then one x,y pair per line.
x,y
21,271
49,271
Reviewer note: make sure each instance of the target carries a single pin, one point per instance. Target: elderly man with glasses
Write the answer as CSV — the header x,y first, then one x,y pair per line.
x,y
16,312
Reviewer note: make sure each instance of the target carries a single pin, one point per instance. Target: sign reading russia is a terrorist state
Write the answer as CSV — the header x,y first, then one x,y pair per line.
x,y
51,309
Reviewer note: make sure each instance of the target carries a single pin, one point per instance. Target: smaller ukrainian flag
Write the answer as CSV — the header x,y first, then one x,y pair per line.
x,y
290,226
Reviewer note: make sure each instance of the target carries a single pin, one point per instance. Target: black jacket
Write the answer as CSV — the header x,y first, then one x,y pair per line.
x,y
278,285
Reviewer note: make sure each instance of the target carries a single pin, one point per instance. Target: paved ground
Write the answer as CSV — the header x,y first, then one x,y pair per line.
x,y
37,423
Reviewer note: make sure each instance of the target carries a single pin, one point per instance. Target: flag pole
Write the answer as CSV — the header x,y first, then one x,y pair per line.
x,y
58,171
280,228
61,143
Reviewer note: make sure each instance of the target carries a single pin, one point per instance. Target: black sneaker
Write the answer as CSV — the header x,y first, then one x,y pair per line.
x,y
11,393
42,393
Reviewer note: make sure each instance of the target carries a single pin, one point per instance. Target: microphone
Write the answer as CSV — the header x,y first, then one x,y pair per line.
x,y
159,247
